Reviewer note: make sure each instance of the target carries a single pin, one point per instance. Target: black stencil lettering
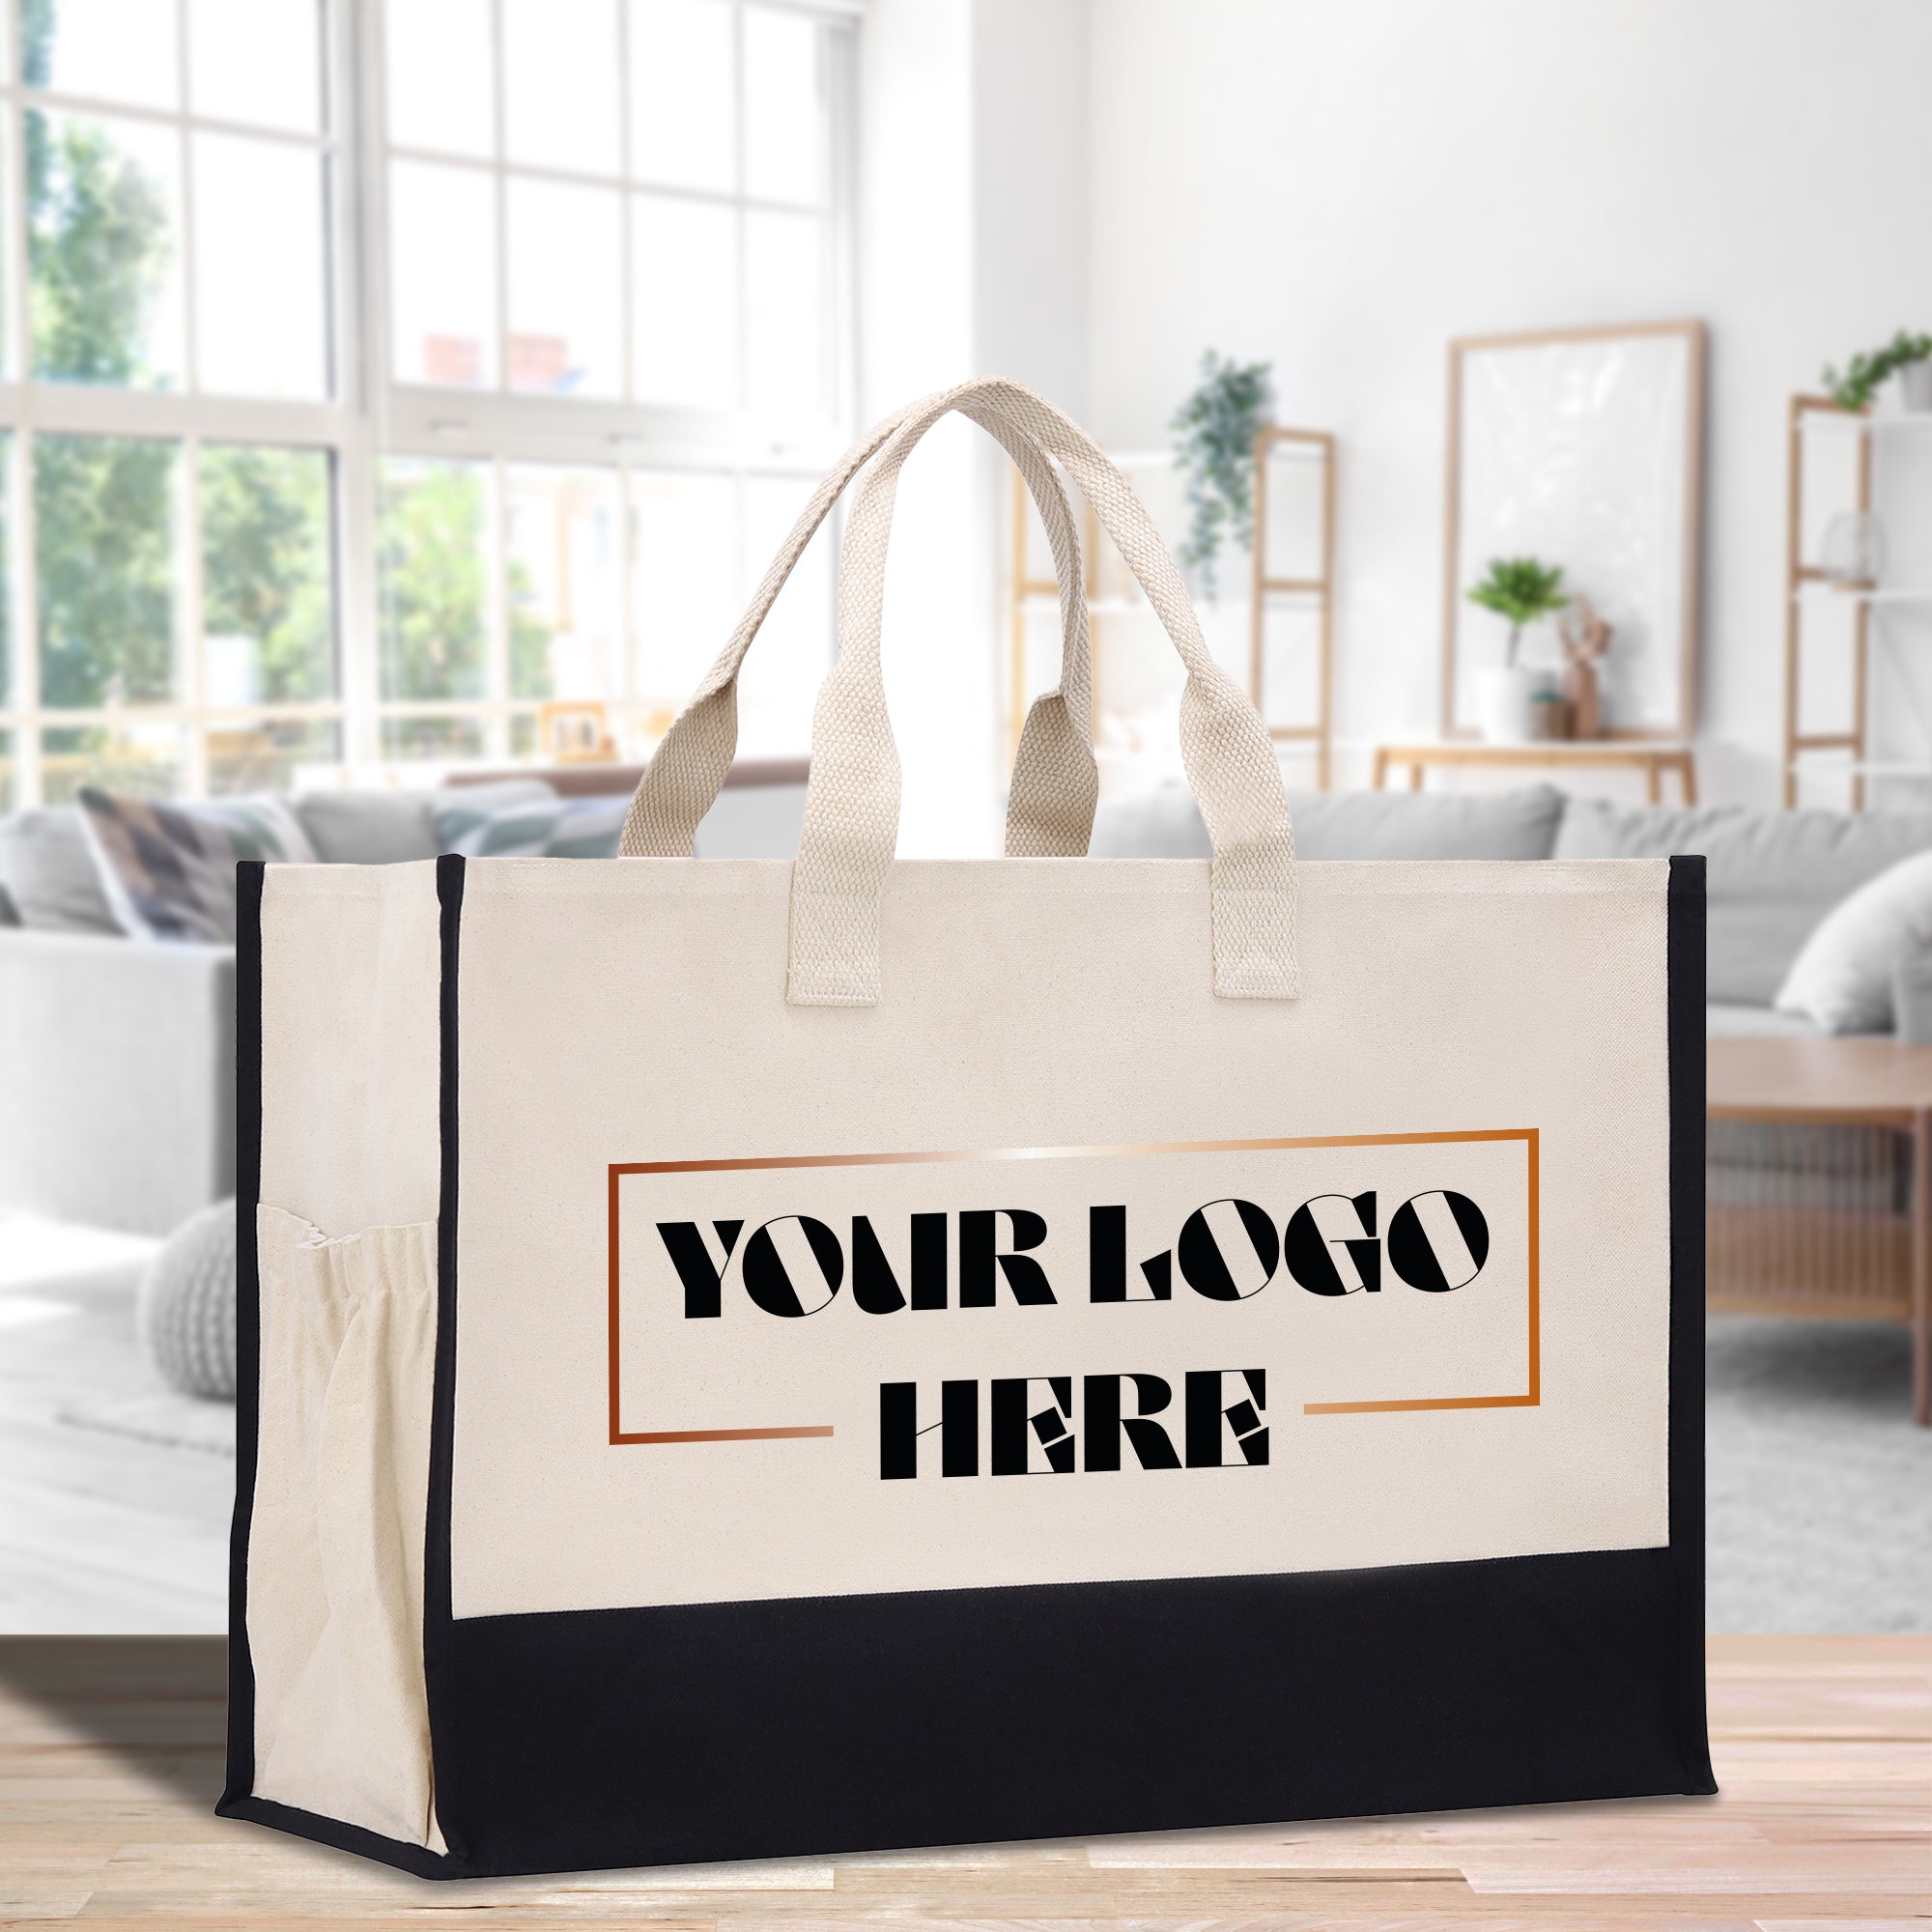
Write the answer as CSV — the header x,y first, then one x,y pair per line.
x,y
874,1287
1106,1254
1413,1253
958,1427
980,1263
1102,1422
1010,1424
703,1282
1206,1417
1220,1277
928,1261
770,1285
1311,1257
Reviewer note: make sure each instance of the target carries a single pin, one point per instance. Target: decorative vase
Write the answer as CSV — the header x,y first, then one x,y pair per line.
x,y
1549,714
1509,702
1915,384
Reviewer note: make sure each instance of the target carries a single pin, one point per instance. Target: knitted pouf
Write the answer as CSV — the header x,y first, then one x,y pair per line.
x,y
185,1314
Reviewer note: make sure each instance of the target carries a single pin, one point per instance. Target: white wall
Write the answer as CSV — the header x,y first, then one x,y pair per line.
x,y
1341,185
973,262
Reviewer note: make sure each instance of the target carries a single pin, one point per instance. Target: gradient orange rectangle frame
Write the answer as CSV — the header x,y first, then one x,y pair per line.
x,y
1528,1135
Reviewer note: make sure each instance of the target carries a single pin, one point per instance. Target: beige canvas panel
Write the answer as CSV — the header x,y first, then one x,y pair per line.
x,y
633,1012
347,1239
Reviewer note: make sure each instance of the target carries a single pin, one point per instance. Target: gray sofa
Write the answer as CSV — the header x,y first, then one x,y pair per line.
x,y
1771,876
117,1064
116,1068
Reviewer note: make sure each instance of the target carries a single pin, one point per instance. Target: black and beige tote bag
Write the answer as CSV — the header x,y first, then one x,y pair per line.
x,y
744,1358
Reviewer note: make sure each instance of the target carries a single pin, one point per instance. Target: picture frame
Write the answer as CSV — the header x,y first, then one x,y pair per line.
x,y
575,732
1582,447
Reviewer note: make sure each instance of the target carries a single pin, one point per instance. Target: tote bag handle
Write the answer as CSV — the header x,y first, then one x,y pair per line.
x,y
1055,782
852,804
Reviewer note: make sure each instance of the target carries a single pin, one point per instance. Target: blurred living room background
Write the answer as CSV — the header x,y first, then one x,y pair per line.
x,y
400,401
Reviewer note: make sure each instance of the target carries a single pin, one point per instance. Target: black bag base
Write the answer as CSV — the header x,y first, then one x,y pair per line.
x,y
607,1739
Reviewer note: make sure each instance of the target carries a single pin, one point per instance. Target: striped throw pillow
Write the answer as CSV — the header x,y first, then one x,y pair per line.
x,y
552,828
168,871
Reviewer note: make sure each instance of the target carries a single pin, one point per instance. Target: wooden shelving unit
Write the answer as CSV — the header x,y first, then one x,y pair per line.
x,y
1314,445
1807,587
1029,593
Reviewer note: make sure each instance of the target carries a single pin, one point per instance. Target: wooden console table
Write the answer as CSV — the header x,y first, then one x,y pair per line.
x,y
110,1760
1841,1223
1650,756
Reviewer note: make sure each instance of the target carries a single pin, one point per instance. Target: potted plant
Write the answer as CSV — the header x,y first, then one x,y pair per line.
x,y
1214,445
1509,696
1906,356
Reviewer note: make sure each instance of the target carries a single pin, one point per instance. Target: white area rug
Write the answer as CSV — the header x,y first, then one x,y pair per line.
x,y
171,1421
1819,1486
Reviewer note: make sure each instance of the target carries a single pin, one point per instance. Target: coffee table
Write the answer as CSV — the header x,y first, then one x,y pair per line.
x,y
1843,1225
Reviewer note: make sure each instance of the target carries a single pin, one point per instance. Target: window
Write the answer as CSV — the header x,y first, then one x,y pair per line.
x,y
283,489
172,431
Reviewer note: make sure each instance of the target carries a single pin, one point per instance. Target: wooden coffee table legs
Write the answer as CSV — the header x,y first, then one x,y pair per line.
x,y
1921,1268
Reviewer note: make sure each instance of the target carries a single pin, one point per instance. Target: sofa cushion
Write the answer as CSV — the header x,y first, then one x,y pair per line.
x,y
1519,824
47,868
168,871
1739,1022
545,828
387,828
1842,979
1771,877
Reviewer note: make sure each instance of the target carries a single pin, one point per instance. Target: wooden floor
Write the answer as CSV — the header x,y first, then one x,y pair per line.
x,y
111,1759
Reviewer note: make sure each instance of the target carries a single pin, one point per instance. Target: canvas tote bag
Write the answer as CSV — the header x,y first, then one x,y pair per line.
x,y
744,1358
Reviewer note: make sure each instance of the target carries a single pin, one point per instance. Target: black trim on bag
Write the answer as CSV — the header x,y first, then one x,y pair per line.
x,y
1685,951
446,1763
312,1825
602,1738
787,1728
248,876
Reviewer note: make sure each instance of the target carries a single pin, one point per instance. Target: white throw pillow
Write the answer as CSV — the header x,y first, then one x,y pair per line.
x,y
1841,981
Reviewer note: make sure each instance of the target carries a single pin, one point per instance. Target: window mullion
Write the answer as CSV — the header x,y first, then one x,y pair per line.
x,y
498,562
24,577
23,615
500,184
627,322
738,223
189,238
359,276
191,645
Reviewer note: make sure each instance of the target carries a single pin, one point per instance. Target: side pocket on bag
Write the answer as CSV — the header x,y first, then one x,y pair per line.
x,y
335,1551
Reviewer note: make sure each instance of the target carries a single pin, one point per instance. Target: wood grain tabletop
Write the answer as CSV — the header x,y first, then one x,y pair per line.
x,y
110,1754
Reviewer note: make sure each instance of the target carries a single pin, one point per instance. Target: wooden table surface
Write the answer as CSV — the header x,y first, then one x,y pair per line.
x,y
111,1759
1835,1078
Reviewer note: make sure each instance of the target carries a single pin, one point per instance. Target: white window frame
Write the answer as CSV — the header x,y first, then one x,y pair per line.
x,y
368,416
498,429
187,418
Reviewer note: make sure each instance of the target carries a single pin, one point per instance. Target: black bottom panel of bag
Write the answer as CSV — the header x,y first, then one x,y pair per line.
x,y
753,1730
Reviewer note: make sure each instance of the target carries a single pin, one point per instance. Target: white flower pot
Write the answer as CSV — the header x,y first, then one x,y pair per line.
x,y
1506,702
1914,386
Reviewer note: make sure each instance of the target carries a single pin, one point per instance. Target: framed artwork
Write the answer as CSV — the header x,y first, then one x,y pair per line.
x,y
1583,448
575,733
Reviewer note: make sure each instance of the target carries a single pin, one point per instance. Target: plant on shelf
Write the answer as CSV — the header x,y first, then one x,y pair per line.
x,y
1215,445
1522,590
1864,374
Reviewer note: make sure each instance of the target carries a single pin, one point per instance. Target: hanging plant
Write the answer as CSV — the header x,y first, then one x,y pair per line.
x,y
1214,445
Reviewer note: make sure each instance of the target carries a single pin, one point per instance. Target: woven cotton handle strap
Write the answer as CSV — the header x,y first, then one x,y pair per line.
x,y
851,813
1050,809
